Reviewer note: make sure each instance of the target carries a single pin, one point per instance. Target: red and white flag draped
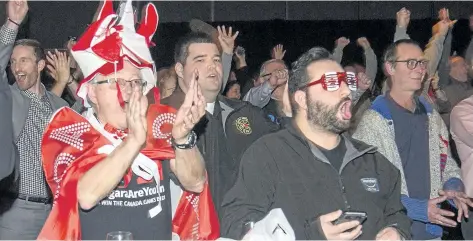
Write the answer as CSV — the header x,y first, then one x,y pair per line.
x,y
72,144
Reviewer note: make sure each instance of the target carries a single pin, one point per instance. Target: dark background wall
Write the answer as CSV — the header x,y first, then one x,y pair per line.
x,y
53,21
297,25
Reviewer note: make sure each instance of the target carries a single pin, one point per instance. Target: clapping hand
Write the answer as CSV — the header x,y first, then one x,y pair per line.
x,y
58,66
136,116
190,112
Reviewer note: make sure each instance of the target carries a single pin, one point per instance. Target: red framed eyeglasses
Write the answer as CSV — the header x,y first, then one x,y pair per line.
x,y
331,81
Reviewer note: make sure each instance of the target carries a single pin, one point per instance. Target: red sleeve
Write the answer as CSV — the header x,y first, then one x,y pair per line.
x,y
69,149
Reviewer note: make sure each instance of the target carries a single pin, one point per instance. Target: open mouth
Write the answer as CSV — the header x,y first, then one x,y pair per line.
x,y
345,110
20,77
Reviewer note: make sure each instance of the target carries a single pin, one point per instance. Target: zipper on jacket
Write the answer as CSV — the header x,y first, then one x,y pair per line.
x,y
344,194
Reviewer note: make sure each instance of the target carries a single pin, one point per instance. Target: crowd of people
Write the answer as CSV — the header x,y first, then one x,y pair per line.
x,y
205,148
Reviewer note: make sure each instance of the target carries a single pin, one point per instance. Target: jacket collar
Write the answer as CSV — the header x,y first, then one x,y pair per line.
x,y
354,147
380,105
234,104
52,98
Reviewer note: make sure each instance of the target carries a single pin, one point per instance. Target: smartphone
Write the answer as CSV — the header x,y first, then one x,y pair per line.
x,y
351,216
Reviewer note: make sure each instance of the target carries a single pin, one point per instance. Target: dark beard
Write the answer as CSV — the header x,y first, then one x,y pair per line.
x,y
325,117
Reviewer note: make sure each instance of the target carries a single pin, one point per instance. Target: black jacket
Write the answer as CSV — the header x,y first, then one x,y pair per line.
x,y
222,149
282,170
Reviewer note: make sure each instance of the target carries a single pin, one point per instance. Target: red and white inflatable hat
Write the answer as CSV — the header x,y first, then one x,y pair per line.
x,y
111,40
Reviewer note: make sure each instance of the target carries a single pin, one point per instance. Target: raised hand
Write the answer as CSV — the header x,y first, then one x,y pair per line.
x,y
444,14
287,109
136,116
69,44
339,231
363,42
278,52
59,66
227,39
434,81
403,17
278,78
190,112
342,42
442,27
364,82
439,216
16,10
239,54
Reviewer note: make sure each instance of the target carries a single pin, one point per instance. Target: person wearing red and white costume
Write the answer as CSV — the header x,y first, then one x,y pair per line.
x,y
105,167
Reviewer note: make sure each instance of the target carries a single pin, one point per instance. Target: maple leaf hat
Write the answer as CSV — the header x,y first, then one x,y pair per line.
x,y
111,40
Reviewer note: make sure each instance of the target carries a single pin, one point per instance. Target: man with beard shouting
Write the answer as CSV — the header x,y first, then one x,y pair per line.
x,y
312,171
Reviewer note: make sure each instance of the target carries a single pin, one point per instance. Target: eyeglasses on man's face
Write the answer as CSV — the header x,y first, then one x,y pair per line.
x,y
133,83
413,63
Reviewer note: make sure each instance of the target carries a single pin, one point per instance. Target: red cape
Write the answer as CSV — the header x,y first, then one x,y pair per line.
x,y
69,149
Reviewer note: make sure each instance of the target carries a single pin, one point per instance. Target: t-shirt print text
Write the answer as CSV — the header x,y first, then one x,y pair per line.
x,y
129,197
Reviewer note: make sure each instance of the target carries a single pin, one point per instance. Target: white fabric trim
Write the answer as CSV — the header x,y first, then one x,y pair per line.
x,y
142,166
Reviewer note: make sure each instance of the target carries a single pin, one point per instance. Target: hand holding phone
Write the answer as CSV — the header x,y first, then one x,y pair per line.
x,y
349,230
351,216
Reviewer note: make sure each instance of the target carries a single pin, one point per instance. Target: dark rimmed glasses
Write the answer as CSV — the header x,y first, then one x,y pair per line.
x,y
413,63
331,81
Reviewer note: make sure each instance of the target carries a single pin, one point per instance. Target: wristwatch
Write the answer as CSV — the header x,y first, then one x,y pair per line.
x,y
190,143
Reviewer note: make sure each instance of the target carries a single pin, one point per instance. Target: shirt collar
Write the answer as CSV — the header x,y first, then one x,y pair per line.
x,y
32,95
210,107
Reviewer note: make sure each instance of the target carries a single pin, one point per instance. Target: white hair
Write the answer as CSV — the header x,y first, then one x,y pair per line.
x,y
263,66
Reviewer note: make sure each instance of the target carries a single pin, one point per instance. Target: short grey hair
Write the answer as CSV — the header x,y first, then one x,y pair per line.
x,y
263,65
390,54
